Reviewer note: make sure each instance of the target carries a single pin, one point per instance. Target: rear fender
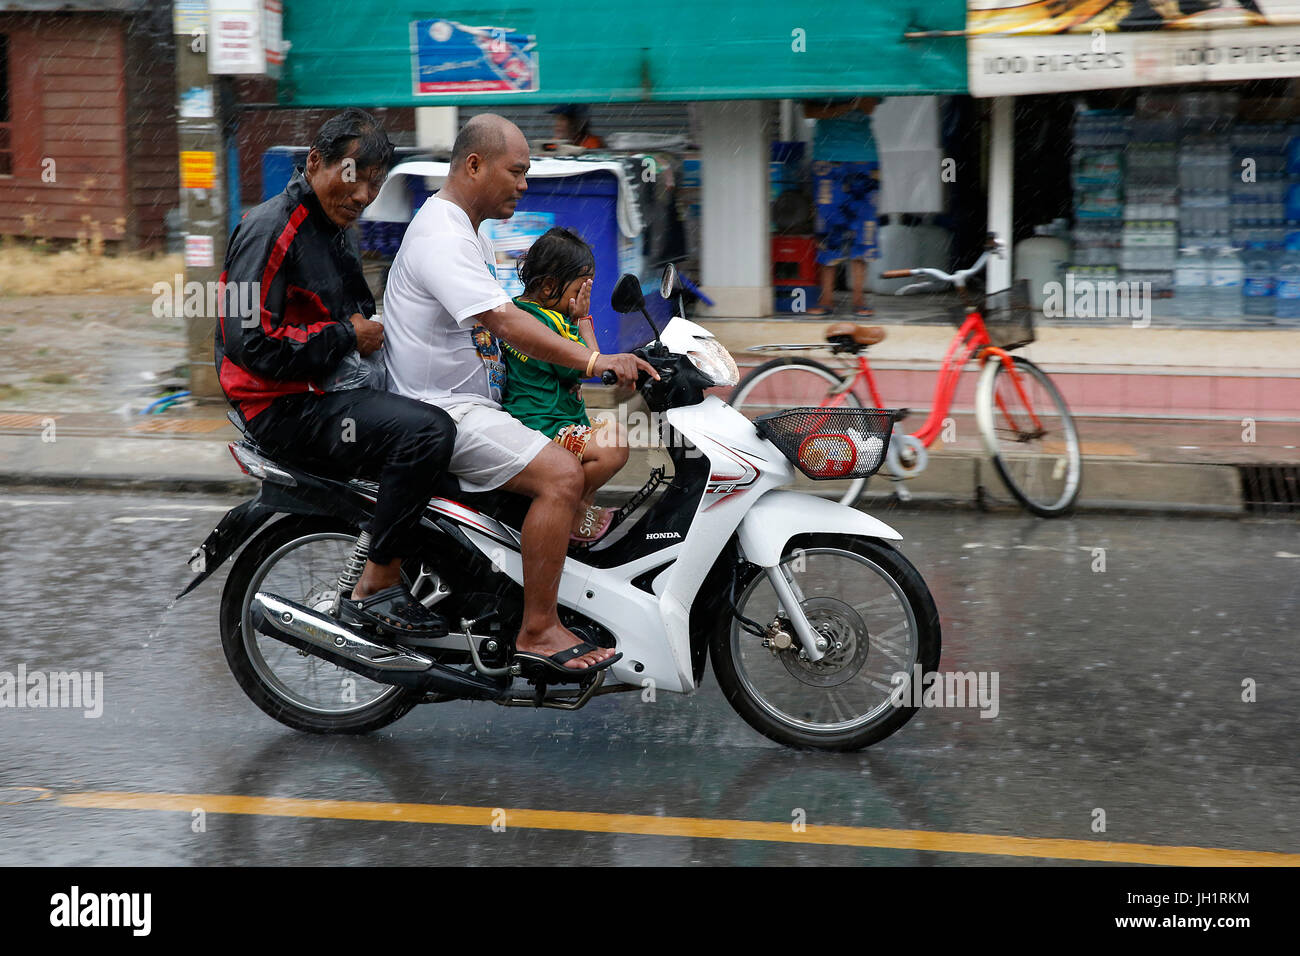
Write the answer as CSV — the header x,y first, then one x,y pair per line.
x,y
307,497
226,538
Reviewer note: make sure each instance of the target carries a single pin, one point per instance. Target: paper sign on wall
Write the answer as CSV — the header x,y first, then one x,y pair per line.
x,y
198,169
198,252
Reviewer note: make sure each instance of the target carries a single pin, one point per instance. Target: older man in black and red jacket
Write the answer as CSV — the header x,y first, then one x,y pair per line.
x,y
290,259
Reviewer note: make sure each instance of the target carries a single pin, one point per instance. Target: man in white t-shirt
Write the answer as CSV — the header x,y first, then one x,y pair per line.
x,y
443,314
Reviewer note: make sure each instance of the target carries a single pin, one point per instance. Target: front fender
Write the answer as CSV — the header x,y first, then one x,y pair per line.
x,y
779,516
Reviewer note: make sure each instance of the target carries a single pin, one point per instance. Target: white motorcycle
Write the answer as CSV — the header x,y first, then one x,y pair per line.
x,y
816,625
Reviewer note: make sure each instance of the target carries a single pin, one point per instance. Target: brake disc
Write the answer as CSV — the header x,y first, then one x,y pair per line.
x,y
847,643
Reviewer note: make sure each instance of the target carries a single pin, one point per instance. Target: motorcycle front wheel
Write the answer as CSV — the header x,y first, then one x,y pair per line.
x,y
880,624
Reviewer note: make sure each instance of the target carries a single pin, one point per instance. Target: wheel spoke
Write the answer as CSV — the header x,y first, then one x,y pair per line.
x,y
303,571
1037,449
868,620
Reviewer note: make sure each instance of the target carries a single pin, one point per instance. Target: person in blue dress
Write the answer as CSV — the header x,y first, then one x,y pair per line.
x,y
846,175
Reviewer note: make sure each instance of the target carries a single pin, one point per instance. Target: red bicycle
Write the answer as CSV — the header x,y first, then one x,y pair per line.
x,y
1024,423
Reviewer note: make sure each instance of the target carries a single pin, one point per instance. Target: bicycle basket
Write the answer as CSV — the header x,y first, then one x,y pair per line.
x,y
1007,314
830,443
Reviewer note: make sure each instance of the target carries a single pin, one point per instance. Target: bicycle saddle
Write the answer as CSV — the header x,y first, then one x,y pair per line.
x,y
861,334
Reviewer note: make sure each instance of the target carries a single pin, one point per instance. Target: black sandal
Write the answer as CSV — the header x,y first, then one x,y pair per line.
x,y
554,664
394,610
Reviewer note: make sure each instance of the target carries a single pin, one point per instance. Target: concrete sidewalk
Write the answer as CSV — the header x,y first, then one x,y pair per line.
x,y
1170,418
1128,463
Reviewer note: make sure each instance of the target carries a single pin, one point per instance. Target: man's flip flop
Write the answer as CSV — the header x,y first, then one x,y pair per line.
x,y
554,664
395,611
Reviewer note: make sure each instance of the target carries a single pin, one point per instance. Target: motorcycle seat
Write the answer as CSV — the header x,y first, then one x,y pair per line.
x,y
504,506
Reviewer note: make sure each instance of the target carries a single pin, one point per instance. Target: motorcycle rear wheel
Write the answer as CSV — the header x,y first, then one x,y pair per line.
x,y
879,617
288,685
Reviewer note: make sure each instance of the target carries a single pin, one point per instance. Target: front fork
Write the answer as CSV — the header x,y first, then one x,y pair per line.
x,y
791,597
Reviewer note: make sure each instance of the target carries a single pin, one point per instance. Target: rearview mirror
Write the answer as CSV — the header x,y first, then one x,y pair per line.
x,y
626,296
669,281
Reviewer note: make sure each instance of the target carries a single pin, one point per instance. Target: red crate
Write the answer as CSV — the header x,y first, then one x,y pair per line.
x,y
794,260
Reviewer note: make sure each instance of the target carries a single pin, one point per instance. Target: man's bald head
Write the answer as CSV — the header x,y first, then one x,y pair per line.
x,y
489,168
488,134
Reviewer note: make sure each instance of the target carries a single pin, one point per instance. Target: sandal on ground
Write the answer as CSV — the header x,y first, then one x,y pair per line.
x,y
553,665
593,525
864,313
395,611
819,311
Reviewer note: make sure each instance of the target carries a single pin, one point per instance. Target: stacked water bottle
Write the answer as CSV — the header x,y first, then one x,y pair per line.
x,y
1210,272
1286,241
1150,237
1260,214
1100,138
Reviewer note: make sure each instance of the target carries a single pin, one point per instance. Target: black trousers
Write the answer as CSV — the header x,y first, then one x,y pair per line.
x,y
402,443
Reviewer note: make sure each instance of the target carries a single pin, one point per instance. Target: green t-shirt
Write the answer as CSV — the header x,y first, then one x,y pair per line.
x,y
541,395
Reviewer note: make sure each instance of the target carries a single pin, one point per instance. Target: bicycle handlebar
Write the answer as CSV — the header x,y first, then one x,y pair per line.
x,y
958,279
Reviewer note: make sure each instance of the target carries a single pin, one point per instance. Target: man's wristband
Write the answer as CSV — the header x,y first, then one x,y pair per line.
x,y
591,363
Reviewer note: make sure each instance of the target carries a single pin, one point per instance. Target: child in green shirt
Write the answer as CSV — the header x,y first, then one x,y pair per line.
x,y
557,274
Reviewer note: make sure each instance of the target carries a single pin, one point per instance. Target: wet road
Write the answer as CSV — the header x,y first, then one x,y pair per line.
x,y
1120,694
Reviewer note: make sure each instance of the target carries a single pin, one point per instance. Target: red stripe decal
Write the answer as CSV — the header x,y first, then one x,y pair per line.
x,y
278,252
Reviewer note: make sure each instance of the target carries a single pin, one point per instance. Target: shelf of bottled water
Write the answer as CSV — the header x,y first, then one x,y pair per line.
x,y
1239,227
1204,208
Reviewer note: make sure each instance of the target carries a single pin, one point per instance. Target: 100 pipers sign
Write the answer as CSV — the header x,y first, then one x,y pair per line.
x,y
1037,47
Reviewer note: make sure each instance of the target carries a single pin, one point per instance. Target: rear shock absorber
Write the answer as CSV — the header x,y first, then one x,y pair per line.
x,y
354,565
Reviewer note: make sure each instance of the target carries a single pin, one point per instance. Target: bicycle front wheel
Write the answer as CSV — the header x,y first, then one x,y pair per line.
x,y
1029,433
798,383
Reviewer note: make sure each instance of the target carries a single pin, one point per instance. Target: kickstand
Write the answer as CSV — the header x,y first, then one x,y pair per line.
x,y
540,694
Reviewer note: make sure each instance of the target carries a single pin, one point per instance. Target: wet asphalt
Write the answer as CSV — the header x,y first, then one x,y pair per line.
x,y
1120,690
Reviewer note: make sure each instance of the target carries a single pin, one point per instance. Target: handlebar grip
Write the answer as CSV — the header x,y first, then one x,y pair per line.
x,y
896,273
608,377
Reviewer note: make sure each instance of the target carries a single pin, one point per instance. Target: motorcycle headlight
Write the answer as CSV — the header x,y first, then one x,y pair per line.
x,y
713,360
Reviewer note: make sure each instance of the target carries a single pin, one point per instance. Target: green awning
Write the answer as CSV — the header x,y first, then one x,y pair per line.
x,y
360,52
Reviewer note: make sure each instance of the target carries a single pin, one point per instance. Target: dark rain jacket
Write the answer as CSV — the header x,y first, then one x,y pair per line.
x,y
310,283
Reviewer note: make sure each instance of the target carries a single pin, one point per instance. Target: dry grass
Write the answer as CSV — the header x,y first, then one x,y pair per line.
x,y
28,271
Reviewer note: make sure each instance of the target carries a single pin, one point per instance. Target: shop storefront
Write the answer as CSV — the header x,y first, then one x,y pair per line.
x,y
1150,150
732,69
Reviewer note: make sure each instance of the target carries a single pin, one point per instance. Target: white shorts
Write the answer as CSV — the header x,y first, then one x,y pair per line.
x,y
492,446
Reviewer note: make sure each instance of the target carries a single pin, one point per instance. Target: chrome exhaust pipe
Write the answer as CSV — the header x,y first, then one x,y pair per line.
x,y
323,631
323,636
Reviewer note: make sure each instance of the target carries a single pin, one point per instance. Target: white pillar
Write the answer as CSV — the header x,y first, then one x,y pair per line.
x,y
787,121
735,237
1002,144
436,126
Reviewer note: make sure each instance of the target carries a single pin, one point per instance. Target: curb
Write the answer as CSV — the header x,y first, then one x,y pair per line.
x,y
874,502
176,484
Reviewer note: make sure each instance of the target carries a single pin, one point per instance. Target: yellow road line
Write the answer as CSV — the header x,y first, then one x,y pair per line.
x,y
870,837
